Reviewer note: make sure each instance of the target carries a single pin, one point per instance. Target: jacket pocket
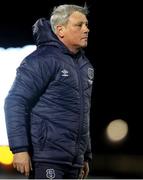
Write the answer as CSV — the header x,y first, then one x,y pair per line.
x,y
38,131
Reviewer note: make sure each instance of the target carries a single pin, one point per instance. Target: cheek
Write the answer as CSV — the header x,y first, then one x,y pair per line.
x,y
75,36
75,39
75,33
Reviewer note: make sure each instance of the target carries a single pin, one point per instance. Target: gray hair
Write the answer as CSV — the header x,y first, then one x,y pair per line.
x,y
60,14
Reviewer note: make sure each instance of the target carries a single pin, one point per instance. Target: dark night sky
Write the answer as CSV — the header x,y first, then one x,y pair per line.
x,y
112,50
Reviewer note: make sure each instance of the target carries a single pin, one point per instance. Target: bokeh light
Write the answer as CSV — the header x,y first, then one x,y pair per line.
x,y
6,156
117,130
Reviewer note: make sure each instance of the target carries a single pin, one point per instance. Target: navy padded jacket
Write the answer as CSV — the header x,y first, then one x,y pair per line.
x,y
47,109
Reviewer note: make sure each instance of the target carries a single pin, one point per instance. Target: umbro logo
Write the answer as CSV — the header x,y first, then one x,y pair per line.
x,y
65,73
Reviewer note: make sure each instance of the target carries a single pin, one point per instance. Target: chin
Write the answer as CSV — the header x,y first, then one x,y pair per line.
x,y
84,45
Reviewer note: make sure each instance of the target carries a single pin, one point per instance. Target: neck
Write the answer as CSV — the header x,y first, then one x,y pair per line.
x,y
71,48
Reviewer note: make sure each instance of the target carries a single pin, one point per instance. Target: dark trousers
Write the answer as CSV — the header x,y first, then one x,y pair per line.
x,y
54,171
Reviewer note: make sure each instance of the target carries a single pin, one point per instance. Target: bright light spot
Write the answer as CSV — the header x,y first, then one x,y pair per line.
x,y
117,130
10,59
6,156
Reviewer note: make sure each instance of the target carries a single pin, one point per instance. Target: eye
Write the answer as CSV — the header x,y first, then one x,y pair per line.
x,y
79,25
86,25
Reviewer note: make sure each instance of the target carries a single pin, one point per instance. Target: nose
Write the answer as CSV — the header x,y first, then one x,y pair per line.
x,y
86,29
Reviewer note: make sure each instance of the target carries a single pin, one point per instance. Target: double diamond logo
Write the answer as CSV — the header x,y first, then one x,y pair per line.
x,y
65,73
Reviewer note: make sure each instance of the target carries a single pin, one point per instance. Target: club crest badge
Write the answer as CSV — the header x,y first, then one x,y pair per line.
x,y
50,173
90,73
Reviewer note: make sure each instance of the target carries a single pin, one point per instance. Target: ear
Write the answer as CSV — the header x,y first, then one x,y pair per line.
x,y
60,30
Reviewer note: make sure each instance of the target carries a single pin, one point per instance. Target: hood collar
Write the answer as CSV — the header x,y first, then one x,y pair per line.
x,y
42,32
43,35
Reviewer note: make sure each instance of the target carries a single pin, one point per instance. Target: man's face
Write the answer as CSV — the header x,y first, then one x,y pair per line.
x,y
76,31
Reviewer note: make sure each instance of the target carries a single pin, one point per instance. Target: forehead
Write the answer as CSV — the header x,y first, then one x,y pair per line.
x,y
77,17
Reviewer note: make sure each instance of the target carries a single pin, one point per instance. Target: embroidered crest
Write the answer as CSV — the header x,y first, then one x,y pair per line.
x,y
50,173
90,73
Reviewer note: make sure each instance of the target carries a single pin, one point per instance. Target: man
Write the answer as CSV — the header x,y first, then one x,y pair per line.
x,y
47,109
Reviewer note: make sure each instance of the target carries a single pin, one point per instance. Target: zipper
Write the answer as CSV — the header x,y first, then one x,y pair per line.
x,y
81,103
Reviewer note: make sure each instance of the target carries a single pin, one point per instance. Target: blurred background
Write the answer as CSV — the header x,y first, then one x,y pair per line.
x,y
116,111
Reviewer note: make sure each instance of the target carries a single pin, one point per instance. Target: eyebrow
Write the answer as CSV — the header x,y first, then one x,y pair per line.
x,y
81,23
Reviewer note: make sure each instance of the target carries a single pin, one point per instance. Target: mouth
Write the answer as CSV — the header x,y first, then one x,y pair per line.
x,y
85,38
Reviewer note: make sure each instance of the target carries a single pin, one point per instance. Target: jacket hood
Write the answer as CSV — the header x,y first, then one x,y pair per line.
x,y
43,33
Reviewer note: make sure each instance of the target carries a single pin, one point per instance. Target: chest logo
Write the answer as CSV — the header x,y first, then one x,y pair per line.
x,y
90,73
65,73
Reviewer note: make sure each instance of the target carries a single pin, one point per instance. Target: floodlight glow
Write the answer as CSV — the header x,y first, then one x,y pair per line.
x,y
10,59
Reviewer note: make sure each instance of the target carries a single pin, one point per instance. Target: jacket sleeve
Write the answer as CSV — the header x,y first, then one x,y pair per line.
x,y
31,80
88,153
